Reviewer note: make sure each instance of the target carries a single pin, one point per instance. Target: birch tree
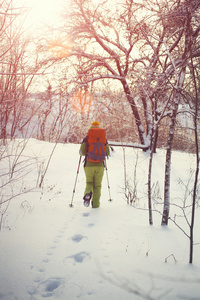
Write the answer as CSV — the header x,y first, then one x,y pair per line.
x,y
187,13
195,75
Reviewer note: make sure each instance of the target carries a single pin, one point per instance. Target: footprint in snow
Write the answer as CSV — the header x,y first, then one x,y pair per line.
x,y
80,257
78,238
56,241
50,286
45,260
86,214
41,270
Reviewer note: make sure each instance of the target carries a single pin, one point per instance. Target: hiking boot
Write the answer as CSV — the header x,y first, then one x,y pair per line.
x,y
87,198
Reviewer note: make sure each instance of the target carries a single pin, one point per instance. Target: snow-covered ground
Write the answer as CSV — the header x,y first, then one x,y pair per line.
x,y
51,250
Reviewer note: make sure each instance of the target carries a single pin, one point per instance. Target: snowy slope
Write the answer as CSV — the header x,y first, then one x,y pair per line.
x,y
50,250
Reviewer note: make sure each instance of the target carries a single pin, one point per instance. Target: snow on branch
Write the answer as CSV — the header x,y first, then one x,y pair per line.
x,y
134,145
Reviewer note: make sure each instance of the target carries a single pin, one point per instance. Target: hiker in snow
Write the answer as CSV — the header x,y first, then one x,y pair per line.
x,y
95,148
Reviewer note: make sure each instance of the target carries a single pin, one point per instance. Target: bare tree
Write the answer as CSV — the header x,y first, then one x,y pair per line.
x,y
103,46
194,196
187,13
126,45
17,72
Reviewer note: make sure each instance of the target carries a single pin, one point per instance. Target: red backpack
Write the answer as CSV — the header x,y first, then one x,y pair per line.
x,y
96,144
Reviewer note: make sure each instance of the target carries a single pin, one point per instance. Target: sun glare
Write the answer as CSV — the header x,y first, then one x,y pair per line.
x,y
61,46
81,101
42,12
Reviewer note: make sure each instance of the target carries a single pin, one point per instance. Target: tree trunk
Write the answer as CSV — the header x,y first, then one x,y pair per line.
x,y
194,199
197,167
165,215
138,121
179,86
149,188
154,145
155,130
166,208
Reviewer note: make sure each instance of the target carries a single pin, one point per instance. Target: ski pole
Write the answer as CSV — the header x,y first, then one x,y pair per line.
x,y
71,204
105,165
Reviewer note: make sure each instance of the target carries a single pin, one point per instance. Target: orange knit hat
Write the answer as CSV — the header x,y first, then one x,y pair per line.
x,y
95,124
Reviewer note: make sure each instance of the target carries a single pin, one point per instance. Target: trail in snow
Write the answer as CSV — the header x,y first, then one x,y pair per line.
x,y
57,252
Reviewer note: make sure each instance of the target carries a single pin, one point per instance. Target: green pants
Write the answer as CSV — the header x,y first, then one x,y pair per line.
x,y
94,176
